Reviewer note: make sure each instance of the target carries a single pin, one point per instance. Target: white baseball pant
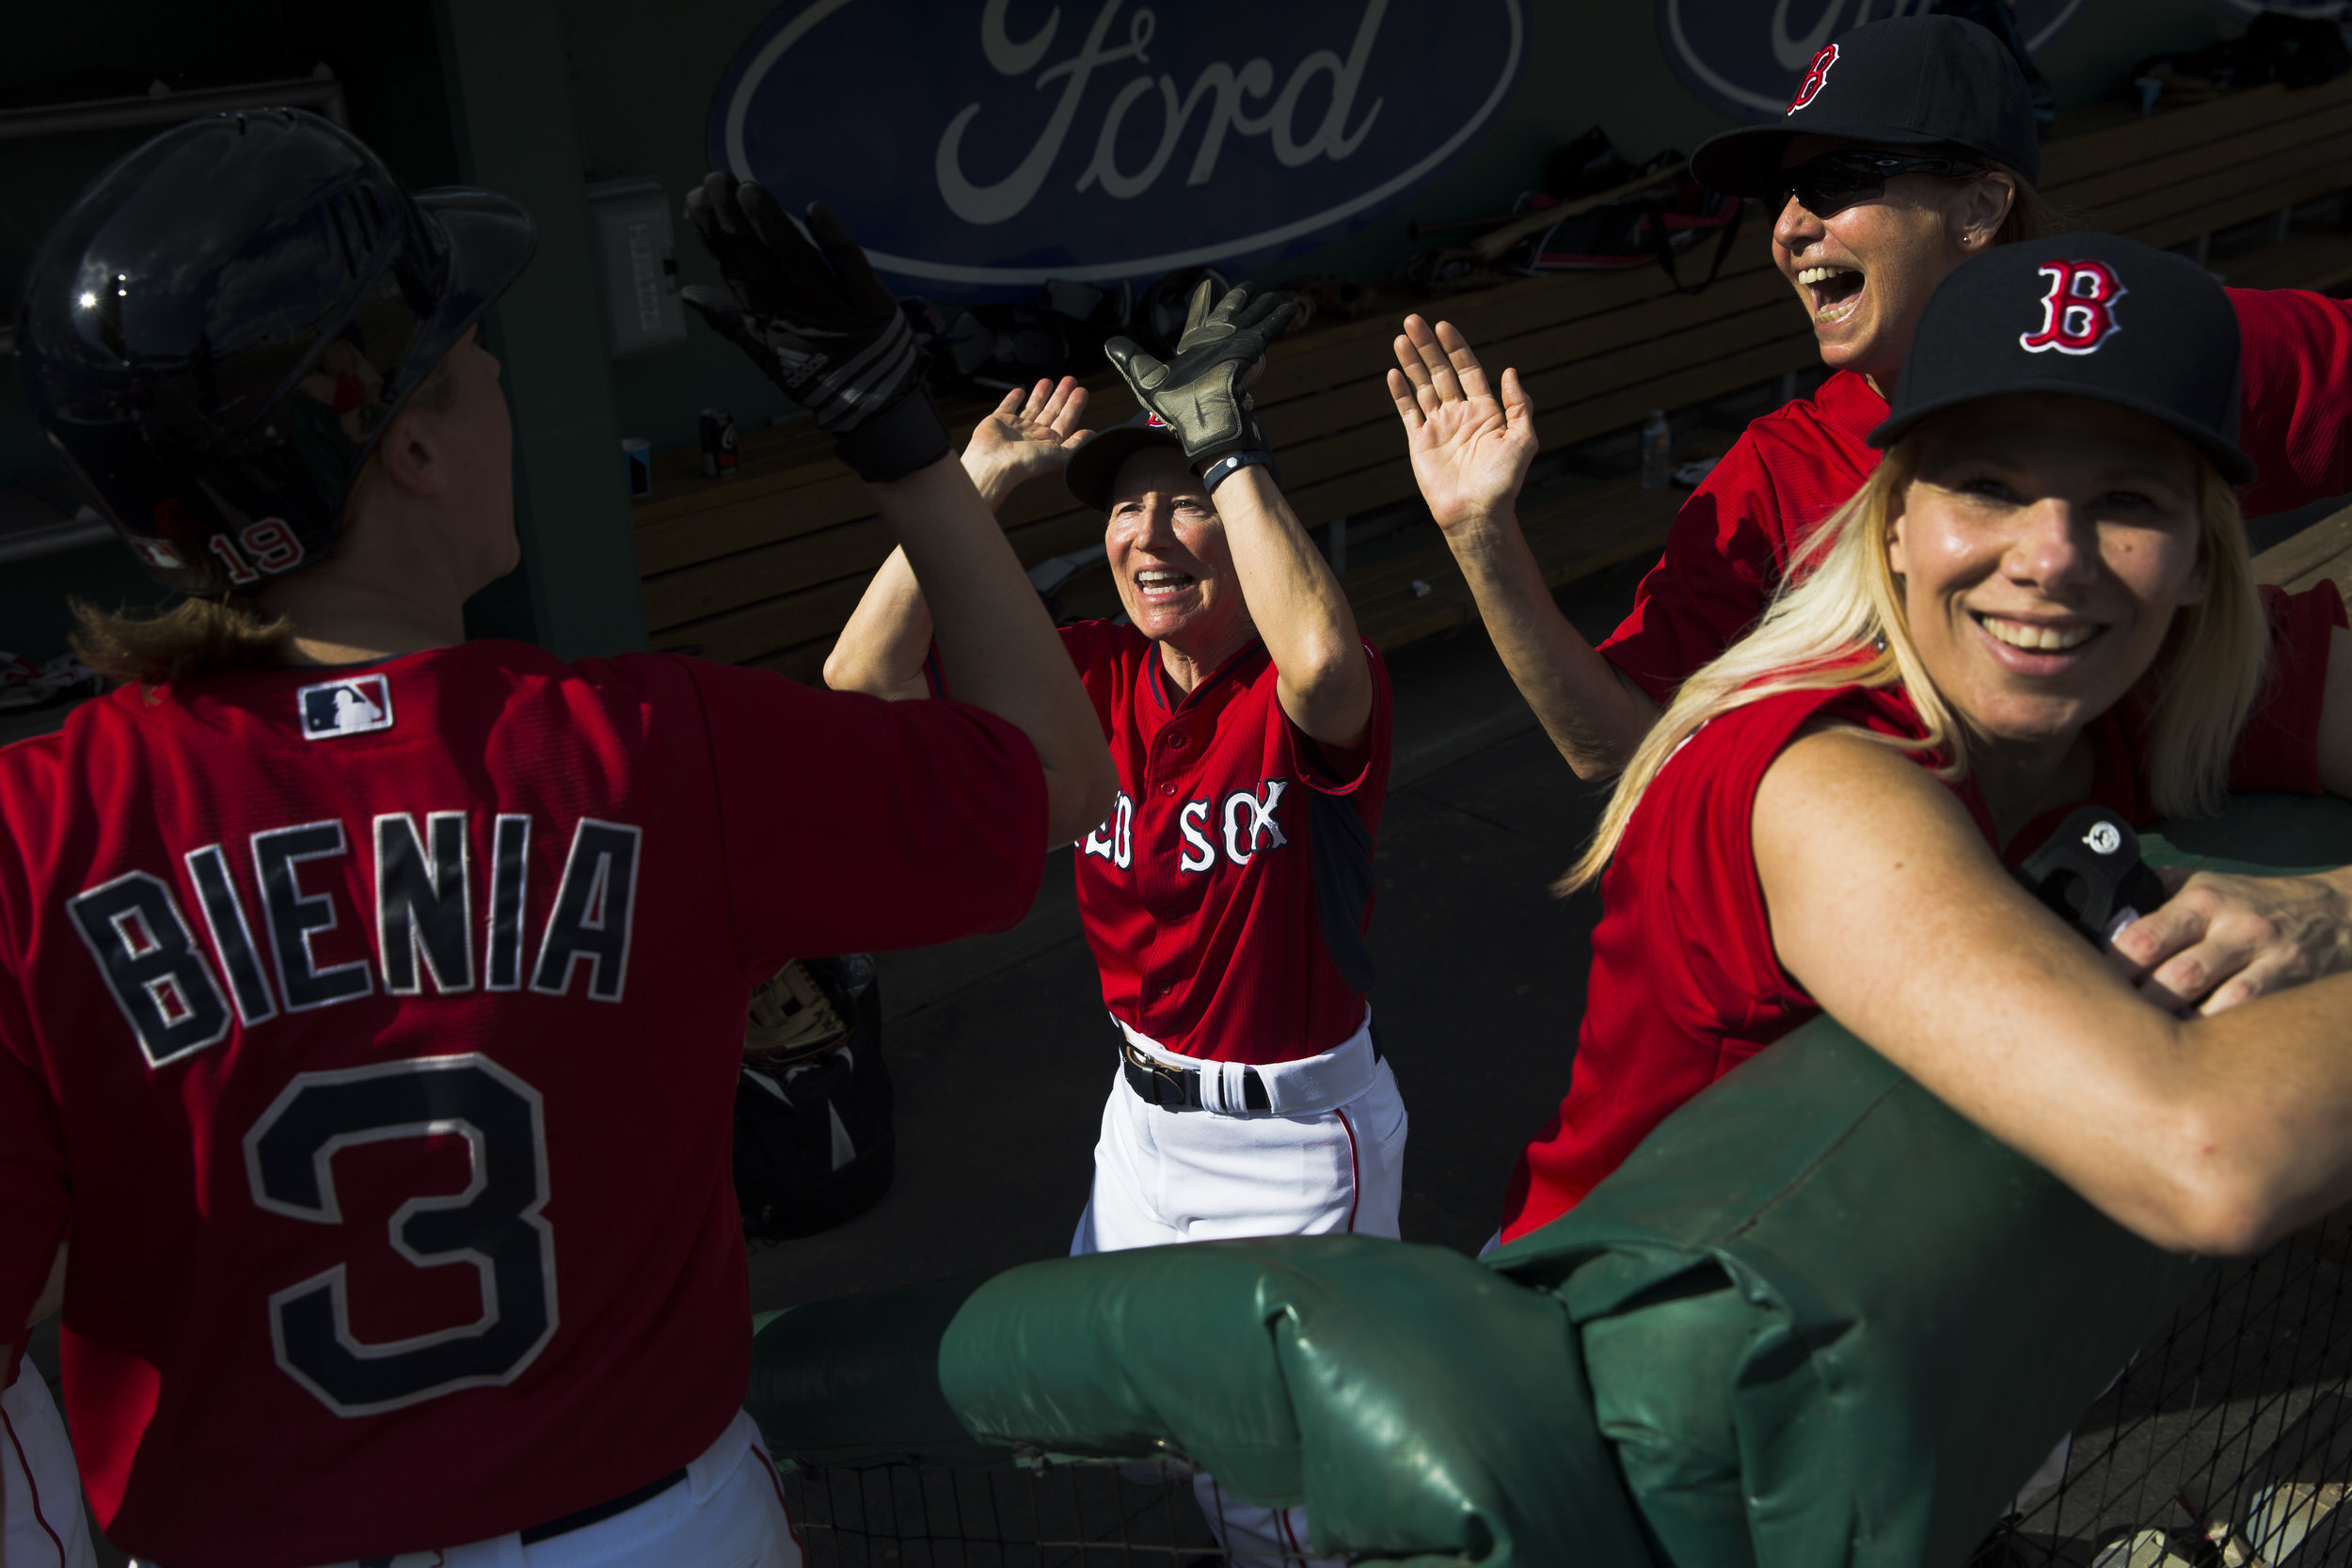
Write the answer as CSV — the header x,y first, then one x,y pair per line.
x,y
41,1521
728,1512
1328,1160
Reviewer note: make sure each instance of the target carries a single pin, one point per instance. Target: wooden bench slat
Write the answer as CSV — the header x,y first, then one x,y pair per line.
x,y
2255,153
750,519
2320,552
1571,536
851,549
2229,196
2156,136
2321,263
806,663
1312,366
1372,485
718,518
1373,433
773,626
2245,206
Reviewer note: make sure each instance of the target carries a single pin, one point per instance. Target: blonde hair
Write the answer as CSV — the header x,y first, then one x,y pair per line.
x,y
217,629
1838,620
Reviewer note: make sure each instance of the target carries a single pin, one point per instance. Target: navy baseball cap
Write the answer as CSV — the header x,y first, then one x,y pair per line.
x,y
2081,315
1909,81
1095,464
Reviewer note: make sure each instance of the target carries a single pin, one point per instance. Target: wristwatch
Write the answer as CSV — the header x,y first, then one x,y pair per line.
x,y
1232,463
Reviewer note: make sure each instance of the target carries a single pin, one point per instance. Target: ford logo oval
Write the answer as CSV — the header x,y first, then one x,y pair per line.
x,y
977,152
1746,56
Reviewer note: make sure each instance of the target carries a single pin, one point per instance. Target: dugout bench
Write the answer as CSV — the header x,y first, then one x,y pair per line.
x,y
765,567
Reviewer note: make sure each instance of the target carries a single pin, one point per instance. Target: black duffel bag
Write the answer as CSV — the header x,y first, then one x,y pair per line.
x,y
814,1143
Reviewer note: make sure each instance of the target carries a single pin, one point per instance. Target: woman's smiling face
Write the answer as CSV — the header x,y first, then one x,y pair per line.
x,y
2043,548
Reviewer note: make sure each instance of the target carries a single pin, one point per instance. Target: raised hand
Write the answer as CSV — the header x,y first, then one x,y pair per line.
x,y
1470,448
1201,392
817,321
1028,433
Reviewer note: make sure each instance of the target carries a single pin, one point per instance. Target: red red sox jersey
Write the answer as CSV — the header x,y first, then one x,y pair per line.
x,y
1686,984
1228,895
376,1031
1732,540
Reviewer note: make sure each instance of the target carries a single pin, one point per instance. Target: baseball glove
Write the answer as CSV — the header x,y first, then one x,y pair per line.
x,y
817,321
1202,393
814,1140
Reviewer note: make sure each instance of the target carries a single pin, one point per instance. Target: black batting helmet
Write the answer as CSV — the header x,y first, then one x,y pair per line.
x,y
216,334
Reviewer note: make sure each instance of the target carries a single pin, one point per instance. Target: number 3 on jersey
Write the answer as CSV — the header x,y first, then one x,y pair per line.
x,y
493,1224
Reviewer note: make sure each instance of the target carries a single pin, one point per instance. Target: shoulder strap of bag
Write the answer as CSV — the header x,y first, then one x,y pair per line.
x,y
1722,250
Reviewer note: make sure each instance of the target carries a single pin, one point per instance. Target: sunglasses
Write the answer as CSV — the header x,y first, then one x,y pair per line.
x,y
1836,181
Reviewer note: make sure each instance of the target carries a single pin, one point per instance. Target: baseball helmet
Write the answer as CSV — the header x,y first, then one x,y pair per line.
x,y
219,330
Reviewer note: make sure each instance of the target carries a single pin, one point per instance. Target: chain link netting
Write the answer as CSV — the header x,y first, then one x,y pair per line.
x,y
2226,1443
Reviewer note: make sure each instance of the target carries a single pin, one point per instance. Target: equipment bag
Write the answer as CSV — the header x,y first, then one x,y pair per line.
x,y
1655,225
814,1141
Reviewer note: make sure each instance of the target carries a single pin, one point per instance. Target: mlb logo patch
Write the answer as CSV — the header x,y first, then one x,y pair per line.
x,y
355,704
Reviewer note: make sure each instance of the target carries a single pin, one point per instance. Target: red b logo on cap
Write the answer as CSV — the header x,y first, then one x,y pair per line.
x,y
1815,75
2078,312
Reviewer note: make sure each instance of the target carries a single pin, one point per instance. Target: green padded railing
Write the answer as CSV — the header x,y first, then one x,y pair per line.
x,y
1815,1320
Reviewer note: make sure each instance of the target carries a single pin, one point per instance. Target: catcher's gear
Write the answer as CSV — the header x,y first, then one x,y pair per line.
x,y
814,1143
217,332
821,325
1201,393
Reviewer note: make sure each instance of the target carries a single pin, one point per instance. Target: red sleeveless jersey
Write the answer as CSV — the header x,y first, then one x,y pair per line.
x,y
1795,465
377,1032
1228,895
1686,984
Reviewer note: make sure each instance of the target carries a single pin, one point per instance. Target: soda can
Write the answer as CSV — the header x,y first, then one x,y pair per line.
x,y
718,435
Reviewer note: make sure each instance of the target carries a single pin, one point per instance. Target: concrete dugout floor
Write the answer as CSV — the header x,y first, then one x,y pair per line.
x,y
1001,1076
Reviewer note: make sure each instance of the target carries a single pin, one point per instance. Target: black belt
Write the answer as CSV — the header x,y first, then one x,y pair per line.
x,y
1178,1088
596,1514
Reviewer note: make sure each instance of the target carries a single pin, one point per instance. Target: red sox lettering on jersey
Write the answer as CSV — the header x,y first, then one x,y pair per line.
x,y
424,971
1226,895
1250,825
176,992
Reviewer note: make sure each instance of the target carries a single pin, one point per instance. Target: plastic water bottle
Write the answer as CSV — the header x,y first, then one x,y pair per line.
x,y
1658,445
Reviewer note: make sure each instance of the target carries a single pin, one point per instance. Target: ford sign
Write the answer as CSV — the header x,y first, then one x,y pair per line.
x,y
1746,56
977,151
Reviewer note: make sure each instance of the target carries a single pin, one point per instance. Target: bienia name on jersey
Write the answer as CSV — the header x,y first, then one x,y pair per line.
x,y
176,992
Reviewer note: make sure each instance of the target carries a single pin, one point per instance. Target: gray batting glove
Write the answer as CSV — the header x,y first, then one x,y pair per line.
x,y
817,321
1201,393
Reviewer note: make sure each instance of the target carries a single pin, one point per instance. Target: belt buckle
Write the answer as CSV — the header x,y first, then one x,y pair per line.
x,y
1168,1083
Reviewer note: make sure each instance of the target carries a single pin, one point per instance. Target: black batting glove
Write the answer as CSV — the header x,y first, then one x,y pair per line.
x,y
1201,392
818,322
